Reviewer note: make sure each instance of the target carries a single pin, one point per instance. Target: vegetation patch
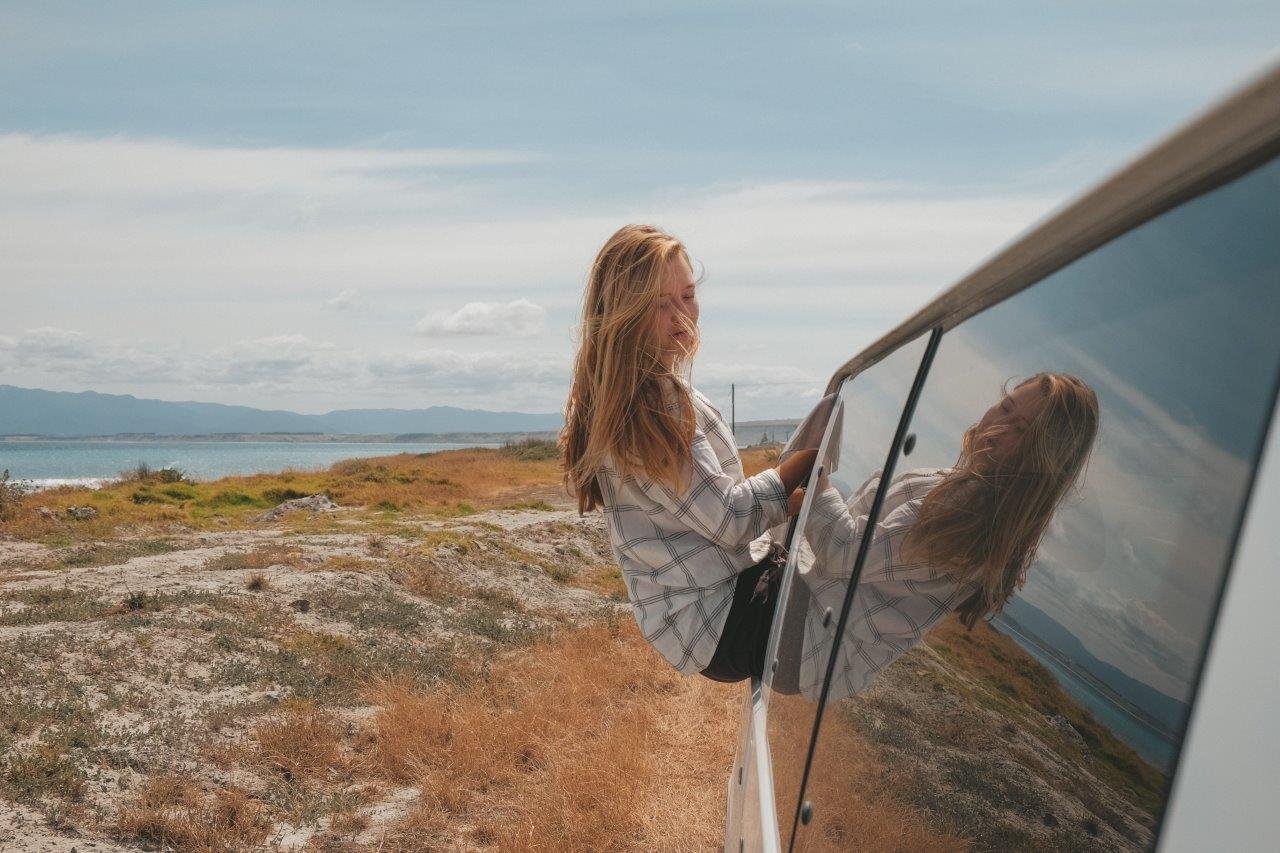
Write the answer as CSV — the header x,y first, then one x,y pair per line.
x,y
430,484
255,559
174,811
114,553
531,450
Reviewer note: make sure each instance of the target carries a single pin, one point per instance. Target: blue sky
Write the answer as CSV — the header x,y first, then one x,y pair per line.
x,y
317,206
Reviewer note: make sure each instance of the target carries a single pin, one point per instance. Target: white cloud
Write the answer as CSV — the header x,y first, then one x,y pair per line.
x,y
116,167
519,317
51,343
435,368
345,300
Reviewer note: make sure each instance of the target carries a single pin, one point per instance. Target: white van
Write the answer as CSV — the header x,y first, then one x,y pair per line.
x,y
1127,695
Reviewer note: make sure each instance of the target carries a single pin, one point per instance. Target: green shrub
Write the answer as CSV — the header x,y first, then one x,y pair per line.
x,y
277,496
531,450
10,496
144,473
235,497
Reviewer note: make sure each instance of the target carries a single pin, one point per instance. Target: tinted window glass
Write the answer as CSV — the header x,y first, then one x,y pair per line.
x,y
862,427
1081,521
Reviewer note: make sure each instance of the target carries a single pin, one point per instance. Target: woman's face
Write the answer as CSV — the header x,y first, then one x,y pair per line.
x,y
677,311
1000,431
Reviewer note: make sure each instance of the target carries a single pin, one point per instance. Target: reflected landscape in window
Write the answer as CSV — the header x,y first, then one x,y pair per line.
x,y
1081,522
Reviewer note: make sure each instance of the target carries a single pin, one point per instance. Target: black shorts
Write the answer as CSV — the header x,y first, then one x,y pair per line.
x,y
745,637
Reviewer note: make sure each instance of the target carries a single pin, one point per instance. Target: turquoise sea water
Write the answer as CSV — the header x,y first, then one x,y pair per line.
x,y
42,464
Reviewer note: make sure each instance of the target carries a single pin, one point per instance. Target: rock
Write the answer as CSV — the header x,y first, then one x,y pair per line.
x,y
1063,725
45,512
82,513
313,503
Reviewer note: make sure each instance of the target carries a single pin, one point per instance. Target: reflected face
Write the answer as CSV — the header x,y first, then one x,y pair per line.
x,y
1000,431
678,311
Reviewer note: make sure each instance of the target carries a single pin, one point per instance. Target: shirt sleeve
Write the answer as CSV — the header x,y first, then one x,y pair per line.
x,y
716,507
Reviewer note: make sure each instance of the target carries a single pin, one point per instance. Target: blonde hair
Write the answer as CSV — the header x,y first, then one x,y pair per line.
x,y
626,406
987,524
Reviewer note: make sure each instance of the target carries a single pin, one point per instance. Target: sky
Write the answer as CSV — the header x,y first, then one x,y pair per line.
x,y
321,206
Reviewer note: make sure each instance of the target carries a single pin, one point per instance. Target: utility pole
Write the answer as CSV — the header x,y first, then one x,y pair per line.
x,y
733,412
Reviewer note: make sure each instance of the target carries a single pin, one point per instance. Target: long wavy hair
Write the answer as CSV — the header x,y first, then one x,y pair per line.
x,y
625,406
985,520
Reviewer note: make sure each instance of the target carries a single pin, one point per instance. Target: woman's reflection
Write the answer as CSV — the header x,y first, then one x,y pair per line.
x,y
949,540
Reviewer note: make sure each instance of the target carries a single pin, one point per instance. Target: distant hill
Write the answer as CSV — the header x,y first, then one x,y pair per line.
x,y
64,414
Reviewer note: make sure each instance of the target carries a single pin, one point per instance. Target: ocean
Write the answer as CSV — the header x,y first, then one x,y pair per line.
x,y
43,464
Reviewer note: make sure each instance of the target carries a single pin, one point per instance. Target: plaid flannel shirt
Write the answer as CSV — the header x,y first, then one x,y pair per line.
x,y
896,603
681,554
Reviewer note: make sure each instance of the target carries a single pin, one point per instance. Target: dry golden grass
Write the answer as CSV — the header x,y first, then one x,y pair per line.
x,y
423,577
302,741
172,810
257,559
593,742
567,747
757,459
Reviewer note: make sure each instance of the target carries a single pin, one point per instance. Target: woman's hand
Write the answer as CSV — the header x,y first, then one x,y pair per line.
x,y
795,501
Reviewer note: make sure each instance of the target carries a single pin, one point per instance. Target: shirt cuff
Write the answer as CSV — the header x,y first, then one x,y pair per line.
x,y
772,494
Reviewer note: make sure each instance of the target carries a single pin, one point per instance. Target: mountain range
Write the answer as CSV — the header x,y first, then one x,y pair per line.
x,y
66,414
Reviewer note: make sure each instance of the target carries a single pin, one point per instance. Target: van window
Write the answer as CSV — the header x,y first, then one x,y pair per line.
x,y
1028,627
862,426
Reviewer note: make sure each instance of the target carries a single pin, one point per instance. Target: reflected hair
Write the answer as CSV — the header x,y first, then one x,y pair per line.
x,y
626,406
985,523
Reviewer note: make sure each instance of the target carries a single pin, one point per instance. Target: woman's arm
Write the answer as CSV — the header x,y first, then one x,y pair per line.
x,y
719,509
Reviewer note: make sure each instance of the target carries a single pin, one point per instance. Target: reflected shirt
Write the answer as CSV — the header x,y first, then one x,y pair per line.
x,y
681,554
896,603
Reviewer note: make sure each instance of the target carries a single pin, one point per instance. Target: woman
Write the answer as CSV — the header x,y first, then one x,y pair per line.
x,y
639,442
948,540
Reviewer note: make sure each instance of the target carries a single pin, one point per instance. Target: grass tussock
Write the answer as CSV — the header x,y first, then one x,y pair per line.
x,y
544,755
448,484
256,560
115,553
302,741
173,811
